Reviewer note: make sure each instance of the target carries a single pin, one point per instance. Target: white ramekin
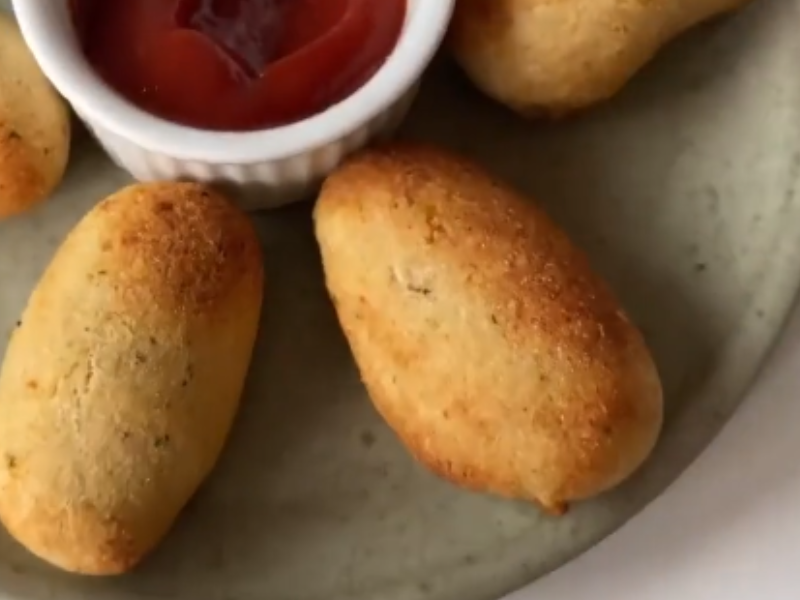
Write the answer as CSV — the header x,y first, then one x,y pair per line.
x,y
271,167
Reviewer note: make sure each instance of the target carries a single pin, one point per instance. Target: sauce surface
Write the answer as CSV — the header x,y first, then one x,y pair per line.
x,y
237,64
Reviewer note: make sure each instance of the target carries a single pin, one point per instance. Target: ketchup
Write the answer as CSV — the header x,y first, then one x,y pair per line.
x,y
237,64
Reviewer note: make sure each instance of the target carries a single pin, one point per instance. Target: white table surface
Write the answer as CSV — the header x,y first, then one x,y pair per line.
x,y
728,529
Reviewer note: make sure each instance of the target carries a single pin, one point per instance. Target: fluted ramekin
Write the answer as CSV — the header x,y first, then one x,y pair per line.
x,y
270,167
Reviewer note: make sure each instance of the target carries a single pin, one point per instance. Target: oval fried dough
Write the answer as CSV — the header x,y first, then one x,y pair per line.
x,y
34,127
482,335
555,57
120,385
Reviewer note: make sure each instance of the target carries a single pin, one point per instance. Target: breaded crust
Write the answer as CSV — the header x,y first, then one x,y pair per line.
x,y
481,332
34,127
122,380
546,57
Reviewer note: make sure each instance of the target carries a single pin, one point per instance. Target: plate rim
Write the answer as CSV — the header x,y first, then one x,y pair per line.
x,y
735,542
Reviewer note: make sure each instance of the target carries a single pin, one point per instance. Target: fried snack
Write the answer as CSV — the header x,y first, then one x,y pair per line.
x,y
34,127
483,337
121,382
553,58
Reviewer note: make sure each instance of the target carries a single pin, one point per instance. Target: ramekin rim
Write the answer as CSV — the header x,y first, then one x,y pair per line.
x,y
98,104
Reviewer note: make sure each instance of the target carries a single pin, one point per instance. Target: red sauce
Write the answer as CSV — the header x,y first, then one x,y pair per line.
x,y
237,64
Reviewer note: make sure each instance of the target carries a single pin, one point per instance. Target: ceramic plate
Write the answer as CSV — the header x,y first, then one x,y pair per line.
x,y
683,192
